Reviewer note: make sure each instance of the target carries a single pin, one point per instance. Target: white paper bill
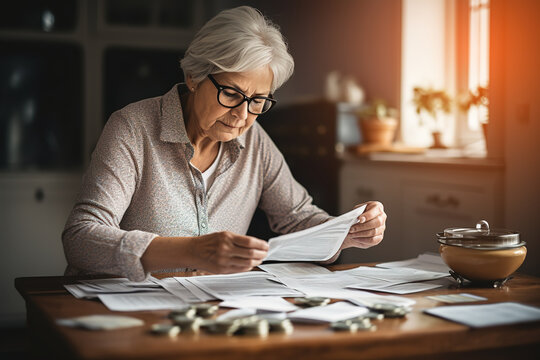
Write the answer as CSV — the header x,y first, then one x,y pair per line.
x,y
318,243
141,301
334,312
426,261
265,303
487,315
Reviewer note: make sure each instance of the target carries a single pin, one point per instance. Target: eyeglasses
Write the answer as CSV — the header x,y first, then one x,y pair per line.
x,y
230,97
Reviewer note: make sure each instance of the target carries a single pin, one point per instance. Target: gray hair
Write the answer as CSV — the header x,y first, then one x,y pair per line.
x,y
237,40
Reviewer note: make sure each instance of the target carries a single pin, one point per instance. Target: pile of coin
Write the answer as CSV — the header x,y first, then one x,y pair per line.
x,y
390,310
312,301
283,326
353,325
250,325
205,310
165,329
226,327
187,311
189,325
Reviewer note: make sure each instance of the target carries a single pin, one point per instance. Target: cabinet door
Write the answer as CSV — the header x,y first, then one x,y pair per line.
x,y
33,209
430,207
361,182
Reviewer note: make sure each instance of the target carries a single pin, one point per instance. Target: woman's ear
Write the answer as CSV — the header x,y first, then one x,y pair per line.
x,y
189,82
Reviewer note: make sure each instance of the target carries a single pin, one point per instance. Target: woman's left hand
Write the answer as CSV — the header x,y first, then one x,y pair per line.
x,y
369,230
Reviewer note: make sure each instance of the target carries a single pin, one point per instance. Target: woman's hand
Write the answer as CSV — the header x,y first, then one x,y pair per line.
x,y
369,230
225,252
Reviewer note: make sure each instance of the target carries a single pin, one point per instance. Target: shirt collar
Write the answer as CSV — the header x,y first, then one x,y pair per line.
x,y
173,128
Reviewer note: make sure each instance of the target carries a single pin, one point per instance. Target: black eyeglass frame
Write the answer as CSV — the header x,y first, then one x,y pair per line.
x,y
220,88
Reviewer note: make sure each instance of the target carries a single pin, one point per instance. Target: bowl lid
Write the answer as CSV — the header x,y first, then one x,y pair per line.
x,y
480,237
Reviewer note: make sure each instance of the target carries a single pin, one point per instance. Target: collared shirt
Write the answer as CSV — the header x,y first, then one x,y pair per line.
x,y
140,185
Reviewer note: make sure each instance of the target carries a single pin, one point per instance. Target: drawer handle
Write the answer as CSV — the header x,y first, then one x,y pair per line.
x,y
364,193
39,195
436,200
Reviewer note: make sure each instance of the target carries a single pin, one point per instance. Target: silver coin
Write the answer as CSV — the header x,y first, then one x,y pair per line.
x,y
205,310
344,326
188,324
281,326
165,329
258,327
312,301
226,327
187,311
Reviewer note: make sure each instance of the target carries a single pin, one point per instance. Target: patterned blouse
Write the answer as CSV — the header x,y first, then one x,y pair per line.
x,y
140,185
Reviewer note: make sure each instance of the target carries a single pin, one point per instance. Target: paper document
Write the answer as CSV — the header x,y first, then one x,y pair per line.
x,y
293,269
401,288
195,290
487,315
175,288
251,283
266,303
397,275
318,243
331,285
456,298
427,261
334,312
141,301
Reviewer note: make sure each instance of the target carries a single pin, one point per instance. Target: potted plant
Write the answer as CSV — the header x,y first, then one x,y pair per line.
x,y
433,102
479,98
378,123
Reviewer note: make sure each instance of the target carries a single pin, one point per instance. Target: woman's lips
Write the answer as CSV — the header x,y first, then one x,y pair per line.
x,y
229,126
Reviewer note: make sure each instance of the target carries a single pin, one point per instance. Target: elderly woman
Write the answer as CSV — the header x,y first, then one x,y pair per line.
x,y
174,180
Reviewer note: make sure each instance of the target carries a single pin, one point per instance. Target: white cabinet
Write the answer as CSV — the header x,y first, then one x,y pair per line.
x,y
420,199
33,211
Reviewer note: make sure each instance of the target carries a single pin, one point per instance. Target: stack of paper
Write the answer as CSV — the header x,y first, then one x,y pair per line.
x,y
318,243
487,315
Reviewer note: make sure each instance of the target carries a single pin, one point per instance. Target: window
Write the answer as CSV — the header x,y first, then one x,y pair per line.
x,y
452,56
478,57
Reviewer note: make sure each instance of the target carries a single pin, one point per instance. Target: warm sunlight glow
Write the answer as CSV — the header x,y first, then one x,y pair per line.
x,y
478,57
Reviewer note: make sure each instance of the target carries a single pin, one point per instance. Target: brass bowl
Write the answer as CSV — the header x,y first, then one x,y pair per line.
x,y
482,254
483,265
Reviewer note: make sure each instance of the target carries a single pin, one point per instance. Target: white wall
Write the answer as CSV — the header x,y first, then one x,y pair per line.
x,y
514,132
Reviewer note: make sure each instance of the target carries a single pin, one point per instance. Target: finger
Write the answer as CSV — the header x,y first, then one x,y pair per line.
x,y
367,234
246,253
239,263
373,209
250,242
374,223
365,243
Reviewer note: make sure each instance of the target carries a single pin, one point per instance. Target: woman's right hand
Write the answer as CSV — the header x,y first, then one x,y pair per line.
x,y
225,252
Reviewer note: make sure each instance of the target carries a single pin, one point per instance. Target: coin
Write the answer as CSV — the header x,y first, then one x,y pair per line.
x,y
227,327
258,327
344,326
165,329
390,310
187,324
187,311
281,326
312,301
373,315
205,310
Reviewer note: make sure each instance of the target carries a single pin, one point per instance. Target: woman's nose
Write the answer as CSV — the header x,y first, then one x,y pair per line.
x,y
241,111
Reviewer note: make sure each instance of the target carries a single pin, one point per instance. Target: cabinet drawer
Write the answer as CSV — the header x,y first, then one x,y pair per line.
x,y
430,207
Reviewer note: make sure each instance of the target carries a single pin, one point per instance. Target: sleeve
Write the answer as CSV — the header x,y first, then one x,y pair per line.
x,y
92,238
287,204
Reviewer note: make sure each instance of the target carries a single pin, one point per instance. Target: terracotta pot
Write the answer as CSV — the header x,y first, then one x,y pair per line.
x,y
378,131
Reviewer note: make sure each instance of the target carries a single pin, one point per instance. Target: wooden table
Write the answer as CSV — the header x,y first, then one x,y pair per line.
x,y
418,336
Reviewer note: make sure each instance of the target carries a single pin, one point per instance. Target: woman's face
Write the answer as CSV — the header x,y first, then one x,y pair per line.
x,y
218,122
